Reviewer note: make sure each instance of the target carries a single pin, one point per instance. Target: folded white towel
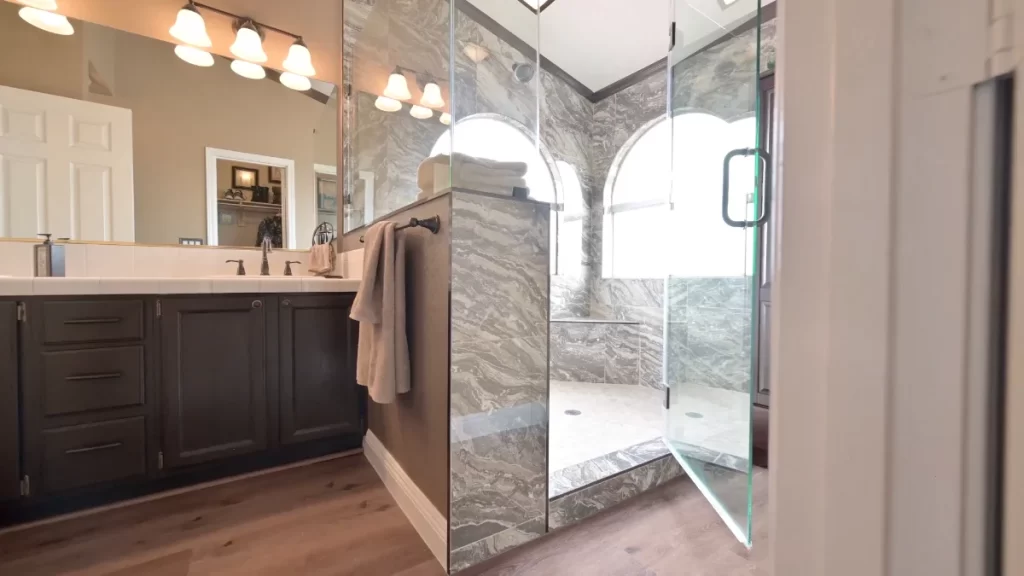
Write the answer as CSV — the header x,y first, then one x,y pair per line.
x,y
469,168
502,189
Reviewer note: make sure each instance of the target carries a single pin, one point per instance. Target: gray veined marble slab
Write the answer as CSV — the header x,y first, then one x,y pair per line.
x,y
603,467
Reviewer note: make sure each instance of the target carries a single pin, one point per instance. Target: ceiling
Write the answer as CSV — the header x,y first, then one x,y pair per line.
x,y
599,42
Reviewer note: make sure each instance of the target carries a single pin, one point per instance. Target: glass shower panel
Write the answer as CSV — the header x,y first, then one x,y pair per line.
x,y
712,229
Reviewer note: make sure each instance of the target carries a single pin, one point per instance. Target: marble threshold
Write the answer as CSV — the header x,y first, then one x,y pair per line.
x,y
20,286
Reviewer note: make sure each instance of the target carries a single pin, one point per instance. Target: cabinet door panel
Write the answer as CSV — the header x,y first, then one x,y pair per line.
x,y
10,471
319,398
213,363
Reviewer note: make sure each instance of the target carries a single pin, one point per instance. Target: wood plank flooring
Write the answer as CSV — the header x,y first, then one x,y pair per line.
x,y
336,518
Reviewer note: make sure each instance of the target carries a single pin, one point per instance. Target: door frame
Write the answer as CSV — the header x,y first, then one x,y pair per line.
x,y
212,212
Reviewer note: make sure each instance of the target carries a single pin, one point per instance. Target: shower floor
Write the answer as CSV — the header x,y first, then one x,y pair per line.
x,y
598,430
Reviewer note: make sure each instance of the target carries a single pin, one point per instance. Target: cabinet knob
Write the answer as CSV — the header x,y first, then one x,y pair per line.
x,y
286,302
257,304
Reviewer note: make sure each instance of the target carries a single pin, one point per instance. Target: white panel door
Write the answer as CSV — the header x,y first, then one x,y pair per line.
x,y
65,168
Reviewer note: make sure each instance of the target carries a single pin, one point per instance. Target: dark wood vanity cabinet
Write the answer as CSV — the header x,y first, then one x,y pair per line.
x,y
120,396
10,466
213,355
318,393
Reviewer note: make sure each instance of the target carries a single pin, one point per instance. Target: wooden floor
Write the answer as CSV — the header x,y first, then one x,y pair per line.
x,y
337,518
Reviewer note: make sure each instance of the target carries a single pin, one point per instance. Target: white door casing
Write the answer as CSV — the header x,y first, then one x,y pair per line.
x,y
65,168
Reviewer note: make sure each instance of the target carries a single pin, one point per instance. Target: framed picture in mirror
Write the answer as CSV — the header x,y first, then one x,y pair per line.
x,y
244,177
275,174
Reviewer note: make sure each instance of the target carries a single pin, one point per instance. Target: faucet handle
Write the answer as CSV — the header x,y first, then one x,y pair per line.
x,y
241,267
288,266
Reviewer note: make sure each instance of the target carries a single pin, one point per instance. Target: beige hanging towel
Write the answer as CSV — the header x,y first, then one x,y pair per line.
x,y
382,364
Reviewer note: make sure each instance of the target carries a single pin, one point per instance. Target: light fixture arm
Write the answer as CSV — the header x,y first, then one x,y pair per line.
x,y
244,19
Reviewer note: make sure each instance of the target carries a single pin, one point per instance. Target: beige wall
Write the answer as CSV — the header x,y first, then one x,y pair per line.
x,y
178,110
317,21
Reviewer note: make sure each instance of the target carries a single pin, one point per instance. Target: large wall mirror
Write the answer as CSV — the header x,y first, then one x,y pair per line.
x,y
107,135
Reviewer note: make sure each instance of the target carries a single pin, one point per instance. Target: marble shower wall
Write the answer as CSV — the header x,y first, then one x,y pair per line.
x,y
595,351
716,80
499,375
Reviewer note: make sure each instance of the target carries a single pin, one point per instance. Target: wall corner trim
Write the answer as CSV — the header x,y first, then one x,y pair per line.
x,y
428,521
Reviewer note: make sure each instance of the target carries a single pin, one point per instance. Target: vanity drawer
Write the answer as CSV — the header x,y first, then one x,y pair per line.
x,y
93,453
83,380
92,321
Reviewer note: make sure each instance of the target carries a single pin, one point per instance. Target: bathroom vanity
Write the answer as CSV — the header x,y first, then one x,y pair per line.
x,y
110,396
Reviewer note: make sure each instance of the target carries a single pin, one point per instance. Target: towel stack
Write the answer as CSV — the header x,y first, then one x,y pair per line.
x,y
469,172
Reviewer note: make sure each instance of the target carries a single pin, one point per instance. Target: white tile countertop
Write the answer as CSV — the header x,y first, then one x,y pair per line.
x,y
141,285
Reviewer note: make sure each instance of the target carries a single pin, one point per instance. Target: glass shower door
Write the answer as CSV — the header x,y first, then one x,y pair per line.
x,y
716,209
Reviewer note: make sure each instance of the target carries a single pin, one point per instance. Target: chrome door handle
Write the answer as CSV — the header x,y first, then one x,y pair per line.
x,y
766,201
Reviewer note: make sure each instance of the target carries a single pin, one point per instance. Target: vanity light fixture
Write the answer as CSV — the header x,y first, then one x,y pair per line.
x,y
46,20
248,44
193,55
248,70
190,28
386,104
432,96
446,119
397,88
420,112
295,82
299,61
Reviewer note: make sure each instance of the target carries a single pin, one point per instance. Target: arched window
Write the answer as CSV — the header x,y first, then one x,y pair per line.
x,y
495,137
663,200
570,221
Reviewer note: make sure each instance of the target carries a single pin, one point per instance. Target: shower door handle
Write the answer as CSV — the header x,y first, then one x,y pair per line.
x,y
767,179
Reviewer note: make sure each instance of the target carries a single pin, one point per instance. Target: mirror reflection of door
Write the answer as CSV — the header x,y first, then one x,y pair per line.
x,y
250,203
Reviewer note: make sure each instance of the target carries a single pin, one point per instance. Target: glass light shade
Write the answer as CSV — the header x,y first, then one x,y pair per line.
x,y
50,5
299,61
190,28
420,112
475,52
48,21
248,45
295,82
432,96
386,104
248,70
446,119
397,88
194,55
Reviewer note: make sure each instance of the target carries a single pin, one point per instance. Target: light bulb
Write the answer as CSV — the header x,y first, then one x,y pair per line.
x,y
386,104
248,45
295,82
420,112
194,55
397,88
248,70
48,21
446,119
432,96
190,28
50,5
475,52
299,60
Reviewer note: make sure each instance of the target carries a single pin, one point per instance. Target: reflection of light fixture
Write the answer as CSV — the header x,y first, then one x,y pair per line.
x,y
299,60
475,52
48,21
194,55
432,96
190,27
248,70
723,4
397,88
248,45
50,5
446,119
295,82
420,112
387,104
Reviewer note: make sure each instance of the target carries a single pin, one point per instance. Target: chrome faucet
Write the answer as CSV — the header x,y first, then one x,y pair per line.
x,y
267,249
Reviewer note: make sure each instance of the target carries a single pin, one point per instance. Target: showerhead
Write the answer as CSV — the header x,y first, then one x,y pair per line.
x,y
523,72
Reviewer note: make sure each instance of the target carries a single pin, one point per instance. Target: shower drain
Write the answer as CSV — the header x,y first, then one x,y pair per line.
x,y
694,414
573,412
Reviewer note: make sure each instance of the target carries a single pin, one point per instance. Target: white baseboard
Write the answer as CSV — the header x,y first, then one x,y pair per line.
x,y
425,518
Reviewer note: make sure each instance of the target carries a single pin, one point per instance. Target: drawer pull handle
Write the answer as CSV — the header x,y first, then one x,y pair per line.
x,y
80,321
104,376
93,448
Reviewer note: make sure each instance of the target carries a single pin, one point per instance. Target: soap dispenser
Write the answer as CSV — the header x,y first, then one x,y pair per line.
x,y
49,258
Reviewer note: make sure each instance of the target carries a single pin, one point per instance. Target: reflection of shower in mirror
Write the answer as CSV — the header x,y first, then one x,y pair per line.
x,y
523,72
